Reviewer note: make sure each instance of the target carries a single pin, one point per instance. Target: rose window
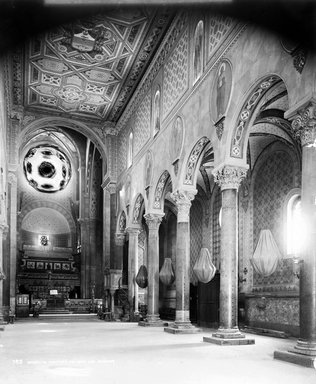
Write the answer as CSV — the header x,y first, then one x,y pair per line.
x,y
47,169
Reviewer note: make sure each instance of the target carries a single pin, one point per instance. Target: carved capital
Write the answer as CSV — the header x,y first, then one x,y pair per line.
x,y
111,188
133,231
304,125
153,220
120,238
183,202
229,177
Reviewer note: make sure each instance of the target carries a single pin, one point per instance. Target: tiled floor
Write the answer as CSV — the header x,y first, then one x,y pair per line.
x,y
118,353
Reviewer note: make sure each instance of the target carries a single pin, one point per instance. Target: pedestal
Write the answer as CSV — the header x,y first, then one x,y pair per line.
x,y
228,337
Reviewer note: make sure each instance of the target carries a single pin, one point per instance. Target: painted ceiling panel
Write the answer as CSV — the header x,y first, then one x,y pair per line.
x,y
91,66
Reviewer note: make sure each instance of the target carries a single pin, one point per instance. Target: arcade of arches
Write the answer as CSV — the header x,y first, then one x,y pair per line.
x,y
132,145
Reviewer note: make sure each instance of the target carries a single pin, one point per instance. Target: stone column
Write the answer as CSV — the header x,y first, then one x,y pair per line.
x,y
229,179
182,322
304,352
13,236
153,221
133,267
120,239
3,229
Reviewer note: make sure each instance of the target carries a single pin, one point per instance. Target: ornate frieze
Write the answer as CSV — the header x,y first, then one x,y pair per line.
x,y
122,222
138,204
153,220
219,125
304,125
229,177
160,188
183,201
193,159
246,113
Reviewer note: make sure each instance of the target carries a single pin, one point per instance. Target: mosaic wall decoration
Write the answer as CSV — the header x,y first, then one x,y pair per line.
x,y
249,106
193,159
221,91
122,222
176,75
137,208
216,247
198,51
219,26
160,188
122,151
274,180
91,66
176,30
196,222
142,124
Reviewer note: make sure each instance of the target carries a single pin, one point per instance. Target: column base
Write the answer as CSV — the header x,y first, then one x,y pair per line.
x,y
184,327
303,353
228,337
151,321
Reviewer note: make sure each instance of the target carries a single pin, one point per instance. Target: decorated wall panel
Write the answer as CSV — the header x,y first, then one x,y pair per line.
x,y
142,124
274,180
219,27
196,223
176,75
122,151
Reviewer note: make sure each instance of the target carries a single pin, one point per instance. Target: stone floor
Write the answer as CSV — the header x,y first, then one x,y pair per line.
x,y
117,353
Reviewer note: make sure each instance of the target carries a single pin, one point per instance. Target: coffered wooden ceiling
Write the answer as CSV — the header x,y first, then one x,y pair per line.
x,y
89,68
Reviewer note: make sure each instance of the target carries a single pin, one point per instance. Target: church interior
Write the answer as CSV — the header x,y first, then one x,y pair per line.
x,y
158,170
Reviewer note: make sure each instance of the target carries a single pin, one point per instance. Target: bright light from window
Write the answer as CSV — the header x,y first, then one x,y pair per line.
x,y
295,226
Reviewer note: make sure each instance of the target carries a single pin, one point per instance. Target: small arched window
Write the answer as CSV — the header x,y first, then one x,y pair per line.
x,y
130,150
294,226
156,111
198,51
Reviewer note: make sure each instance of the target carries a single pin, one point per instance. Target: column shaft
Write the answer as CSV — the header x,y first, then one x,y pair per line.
x,y
133,268
153,221
308,265
229,262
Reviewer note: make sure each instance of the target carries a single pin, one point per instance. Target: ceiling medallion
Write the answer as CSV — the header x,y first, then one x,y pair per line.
x,y
47,169
70,94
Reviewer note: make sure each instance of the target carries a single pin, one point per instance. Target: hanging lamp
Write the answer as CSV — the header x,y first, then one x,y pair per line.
x,y
267,256
142,277
204,268
166,274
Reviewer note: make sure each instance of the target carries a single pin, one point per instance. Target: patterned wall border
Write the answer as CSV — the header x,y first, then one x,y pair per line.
x,y
137,209
238,140
168,43
193,159
162,182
